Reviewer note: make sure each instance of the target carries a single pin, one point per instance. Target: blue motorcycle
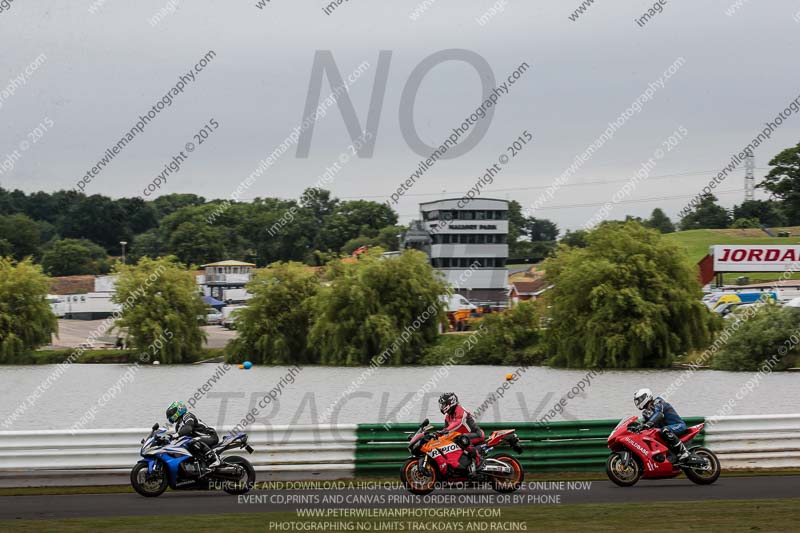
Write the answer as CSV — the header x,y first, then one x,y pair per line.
x,y
167,462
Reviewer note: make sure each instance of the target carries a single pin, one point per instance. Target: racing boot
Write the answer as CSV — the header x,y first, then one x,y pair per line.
x,y
211,459
676,446
472,469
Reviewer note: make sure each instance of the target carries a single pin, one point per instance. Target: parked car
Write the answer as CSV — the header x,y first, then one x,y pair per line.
x,y
214,317
229,315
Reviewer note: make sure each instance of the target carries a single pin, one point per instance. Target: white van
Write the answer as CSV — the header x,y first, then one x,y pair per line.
x,y
229,315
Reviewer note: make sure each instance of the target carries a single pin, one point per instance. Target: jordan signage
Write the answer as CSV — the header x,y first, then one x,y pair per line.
x,y
756,258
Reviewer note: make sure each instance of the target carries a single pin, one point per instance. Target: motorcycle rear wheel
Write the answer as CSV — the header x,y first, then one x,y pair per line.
x,y
702,476
416,481
248,480
512,482
148,485
620,474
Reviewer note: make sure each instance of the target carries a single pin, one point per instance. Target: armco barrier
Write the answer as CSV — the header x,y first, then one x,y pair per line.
x,y
556,446
105,456
768,441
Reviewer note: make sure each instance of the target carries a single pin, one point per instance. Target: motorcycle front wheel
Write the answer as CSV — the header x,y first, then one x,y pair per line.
x,y
416,481
150,484
624,476
707,475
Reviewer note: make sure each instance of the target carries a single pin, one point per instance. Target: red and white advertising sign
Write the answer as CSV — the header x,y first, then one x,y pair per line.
x,y
756,258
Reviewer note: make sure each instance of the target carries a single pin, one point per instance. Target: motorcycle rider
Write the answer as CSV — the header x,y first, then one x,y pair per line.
x,y
187,424
657,413
456,418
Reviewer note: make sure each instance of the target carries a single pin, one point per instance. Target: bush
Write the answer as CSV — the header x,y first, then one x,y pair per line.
x,y
26,321
69,257
741,223
274,326
511,337
160,306
772,332
376,306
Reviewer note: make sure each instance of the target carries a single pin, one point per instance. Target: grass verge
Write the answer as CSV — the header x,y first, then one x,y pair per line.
x,y
52,357
744,515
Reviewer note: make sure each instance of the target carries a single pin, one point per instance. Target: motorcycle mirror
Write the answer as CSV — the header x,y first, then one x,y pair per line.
x,y
425,423
155,426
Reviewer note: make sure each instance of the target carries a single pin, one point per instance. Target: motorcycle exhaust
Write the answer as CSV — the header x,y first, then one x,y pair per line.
x,y
493,466
231,473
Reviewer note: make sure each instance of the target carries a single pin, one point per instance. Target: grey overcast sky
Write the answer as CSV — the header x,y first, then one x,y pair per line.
x,y
104,69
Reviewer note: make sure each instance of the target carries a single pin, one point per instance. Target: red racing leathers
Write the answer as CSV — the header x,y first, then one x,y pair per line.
x,y
459,419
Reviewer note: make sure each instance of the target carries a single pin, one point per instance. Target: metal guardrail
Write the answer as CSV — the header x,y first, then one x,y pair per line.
x,y
767,441
316,452
289,452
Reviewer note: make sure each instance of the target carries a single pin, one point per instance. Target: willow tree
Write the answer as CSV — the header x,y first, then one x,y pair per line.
x,y
274,326
160,309
26,320
629,299
376,306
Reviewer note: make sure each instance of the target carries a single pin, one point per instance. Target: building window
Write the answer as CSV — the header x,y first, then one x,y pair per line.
x,y
467,215
480,215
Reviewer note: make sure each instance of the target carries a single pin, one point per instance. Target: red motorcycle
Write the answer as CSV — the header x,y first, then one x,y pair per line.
x,y
640,452
440,458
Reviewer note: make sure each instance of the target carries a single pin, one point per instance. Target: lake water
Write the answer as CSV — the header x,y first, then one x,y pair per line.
x,y
115,396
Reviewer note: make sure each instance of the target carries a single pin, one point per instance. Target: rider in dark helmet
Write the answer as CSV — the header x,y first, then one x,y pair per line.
x,y
456,418
659,414
187,424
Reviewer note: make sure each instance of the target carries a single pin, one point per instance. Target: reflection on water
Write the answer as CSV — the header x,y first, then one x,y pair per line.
x,y
317,391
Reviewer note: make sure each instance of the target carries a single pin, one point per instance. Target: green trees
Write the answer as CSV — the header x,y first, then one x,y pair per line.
x,y
512,337
363,308
377,306
771,332
629,299
741,223
197,231
529,236
706,215
575,238
784,181
273,328
767,212
160,306
26,321
660,222
70,257
20,236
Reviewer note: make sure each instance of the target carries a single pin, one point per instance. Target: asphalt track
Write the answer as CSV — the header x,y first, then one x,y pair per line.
x,y
379,496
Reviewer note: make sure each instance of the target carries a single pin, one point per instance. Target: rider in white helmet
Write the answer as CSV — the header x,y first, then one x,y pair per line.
x,y
660,414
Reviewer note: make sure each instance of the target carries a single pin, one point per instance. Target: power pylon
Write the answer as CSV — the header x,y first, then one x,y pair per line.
x,y
749,178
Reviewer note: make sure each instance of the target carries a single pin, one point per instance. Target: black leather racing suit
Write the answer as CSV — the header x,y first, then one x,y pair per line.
x,y
190,425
